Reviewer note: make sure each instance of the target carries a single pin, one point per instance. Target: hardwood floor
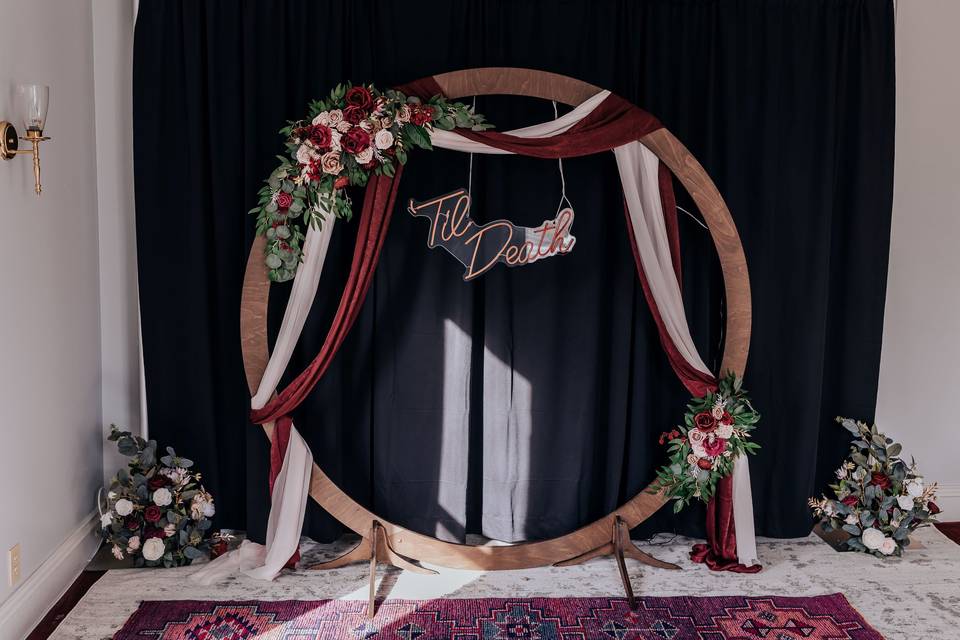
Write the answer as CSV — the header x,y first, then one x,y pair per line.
x,y
67,602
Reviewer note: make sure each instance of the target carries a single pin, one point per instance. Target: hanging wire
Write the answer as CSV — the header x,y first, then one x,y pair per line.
x,y
695,218
563,180
473,107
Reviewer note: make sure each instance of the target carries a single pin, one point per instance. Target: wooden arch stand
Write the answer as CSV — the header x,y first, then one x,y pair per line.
x,y
383,541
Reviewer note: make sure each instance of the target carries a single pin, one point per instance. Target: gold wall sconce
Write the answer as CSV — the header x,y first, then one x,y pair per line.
x,y
33,101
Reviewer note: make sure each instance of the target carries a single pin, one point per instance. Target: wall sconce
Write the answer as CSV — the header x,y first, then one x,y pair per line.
x,y
33,101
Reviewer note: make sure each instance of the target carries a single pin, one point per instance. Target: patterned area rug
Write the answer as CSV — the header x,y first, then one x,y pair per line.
x,y
677,618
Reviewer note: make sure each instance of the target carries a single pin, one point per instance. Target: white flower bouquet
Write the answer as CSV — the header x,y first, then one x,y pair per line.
x,y
157,510
878,499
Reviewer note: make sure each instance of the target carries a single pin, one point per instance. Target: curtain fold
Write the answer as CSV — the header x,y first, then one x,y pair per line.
x,y
788,105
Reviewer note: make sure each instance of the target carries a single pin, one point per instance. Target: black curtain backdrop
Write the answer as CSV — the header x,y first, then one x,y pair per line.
x,y
528,402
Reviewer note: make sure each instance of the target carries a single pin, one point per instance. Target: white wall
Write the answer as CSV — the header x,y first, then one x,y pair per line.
x,y
113,22
920,364
50,461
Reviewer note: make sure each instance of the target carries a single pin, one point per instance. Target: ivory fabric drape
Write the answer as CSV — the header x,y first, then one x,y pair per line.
x,y
657,264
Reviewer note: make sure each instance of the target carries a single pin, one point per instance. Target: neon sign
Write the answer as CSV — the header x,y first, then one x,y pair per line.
x,y
479,248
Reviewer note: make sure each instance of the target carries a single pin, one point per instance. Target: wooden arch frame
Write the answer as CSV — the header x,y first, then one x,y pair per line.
x,y
388,542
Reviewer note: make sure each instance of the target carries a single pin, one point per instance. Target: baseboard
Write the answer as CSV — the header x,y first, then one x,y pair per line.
x,y
948,499
25,608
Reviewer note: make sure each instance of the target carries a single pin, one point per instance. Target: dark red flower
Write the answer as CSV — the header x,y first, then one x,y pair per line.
x,y
354,114
158,481
703,463
851,500
152,513
355,140
321,137
715,447
726,418
421,115
152,532
933,508
880,479
132,523
704,421
284,200
359,97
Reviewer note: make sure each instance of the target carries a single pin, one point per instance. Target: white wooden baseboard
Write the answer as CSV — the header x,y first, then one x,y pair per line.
x,y
25,608
948,499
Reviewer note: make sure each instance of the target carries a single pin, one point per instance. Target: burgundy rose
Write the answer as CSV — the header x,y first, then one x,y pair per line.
x,y
851,500
132,523
421,115
152,532
704,421
284,200
704,464
933,508
152,513
715,447
355,140
321,137
157,482
726,418
881,480
359,97
354,115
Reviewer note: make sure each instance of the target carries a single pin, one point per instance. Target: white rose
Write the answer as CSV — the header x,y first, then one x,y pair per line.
x,y
106,520
123,507
872,538
162,497
335,140
133,544
905,503
383,139
852,519
153,549
303,154
365,156
343,126
336,117
691,459
369,125
330,163
888,546
717,412
322,118
725,431
915,488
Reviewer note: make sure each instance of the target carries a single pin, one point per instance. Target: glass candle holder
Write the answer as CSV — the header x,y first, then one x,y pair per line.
x,y
33,102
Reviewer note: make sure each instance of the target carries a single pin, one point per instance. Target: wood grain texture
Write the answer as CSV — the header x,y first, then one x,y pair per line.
x,y
524,82
512,81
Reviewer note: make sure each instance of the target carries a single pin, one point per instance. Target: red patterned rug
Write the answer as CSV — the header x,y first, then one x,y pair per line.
x,y
679,618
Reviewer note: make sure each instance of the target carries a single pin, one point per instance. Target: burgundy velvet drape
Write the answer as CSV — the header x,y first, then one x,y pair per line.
x,y
613,123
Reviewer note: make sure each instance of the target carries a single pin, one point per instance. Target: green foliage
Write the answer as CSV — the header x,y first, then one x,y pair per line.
x,y
303,189
726,419
878,498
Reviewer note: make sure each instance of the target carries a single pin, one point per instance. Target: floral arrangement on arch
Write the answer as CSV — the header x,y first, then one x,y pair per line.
x,y
157,510
356,132
878,499
716,429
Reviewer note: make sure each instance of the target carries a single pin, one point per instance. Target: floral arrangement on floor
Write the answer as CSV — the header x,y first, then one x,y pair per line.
x,y
879,499
356,132
716,429
157,510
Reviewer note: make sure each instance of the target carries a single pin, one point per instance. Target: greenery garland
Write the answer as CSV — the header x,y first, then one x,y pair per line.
x,y
355,132
716,429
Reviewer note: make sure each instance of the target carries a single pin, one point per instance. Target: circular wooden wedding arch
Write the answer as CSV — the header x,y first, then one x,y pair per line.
x,y
595,538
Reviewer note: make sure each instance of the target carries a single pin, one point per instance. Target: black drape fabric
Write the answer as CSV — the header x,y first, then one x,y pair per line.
x,y
529,401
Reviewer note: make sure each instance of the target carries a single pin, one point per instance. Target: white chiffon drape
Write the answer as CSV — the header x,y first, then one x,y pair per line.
x,y
638,168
